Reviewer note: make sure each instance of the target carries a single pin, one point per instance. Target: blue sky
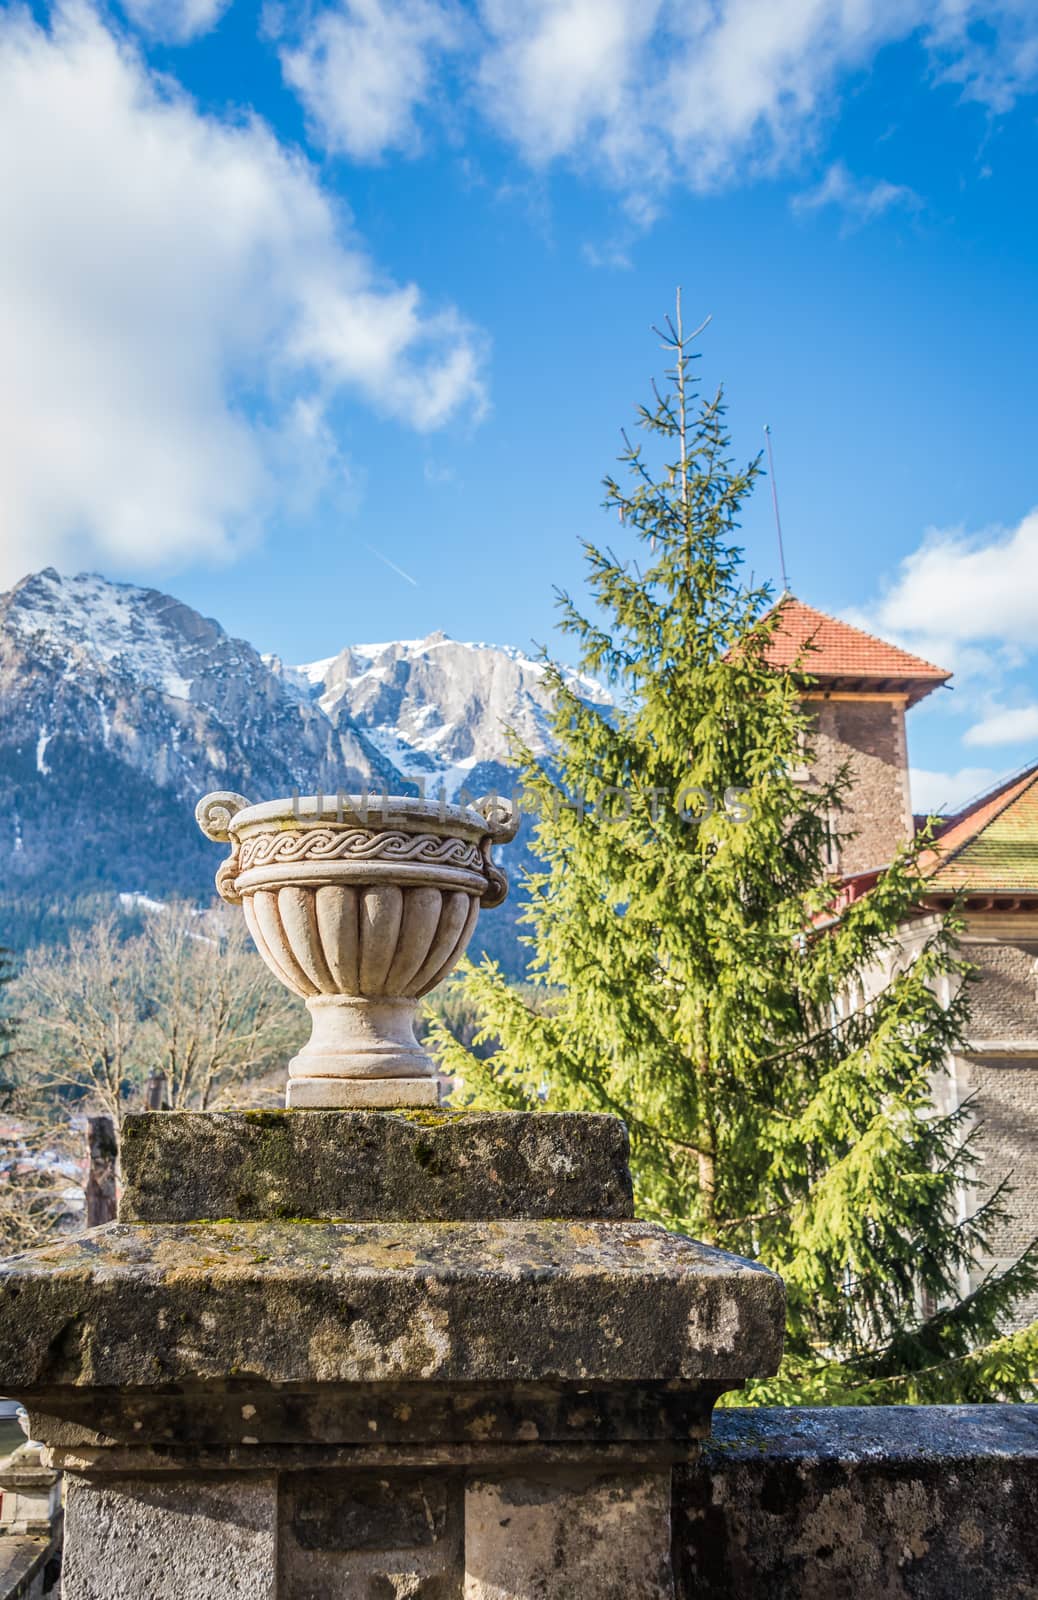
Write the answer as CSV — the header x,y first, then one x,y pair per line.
x,y
326,316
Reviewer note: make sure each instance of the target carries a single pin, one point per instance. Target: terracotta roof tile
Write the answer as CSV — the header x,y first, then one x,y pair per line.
x,y
992,846
826,648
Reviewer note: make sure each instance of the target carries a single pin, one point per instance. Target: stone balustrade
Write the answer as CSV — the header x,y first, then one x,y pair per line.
x,y
424,1355
410,1354
861,1503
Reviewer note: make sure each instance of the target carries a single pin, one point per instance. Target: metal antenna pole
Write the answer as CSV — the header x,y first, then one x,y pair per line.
x,y
774,501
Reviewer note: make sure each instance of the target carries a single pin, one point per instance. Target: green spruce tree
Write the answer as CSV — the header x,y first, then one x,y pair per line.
x,y
695,980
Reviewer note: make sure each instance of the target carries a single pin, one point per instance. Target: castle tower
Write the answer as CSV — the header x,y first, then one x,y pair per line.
x,y
858,689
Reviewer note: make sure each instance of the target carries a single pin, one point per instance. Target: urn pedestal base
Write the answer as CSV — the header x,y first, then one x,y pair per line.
x,y
358,1094
361,1052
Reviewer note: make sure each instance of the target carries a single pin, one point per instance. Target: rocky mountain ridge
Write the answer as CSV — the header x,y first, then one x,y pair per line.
x,y
439,712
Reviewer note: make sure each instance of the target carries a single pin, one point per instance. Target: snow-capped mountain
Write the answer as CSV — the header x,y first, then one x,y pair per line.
x,y
120,705
438,711
200,703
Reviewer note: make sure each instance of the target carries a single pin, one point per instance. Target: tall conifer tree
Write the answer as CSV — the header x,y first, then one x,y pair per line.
x,y
696,981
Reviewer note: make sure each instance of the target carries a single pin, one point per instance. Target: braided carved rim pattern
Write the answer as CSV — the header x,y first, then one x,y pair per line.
x,y
332,844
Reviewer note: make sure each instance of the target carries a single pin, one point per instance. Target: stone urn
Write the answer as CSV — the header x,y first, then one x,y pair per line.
x,y
361,909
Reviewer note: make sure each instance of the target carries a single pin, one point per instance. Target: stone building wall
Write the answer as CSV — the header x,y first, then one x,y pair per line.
x,y
1005,1106
868,734
1000,1073
1007,1141
1004,997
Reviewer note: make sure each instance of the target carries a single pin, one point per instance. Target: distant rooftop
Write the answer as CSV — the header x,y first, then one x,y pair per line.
x,y
991,848
839,655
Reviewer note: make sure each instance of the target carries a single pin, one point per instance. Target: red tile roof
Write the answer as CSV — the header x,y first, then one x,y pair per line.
x,y
825,648
992,846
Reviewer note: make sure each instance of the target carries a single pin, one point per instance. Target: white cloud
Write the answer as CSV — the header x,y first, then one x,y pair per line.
x,y
860,199
558,73
649,92
308,463
980,588
747,89
969,603
661,90
178,299
991,51
1005,725
175,20
364,67
612,255
941,793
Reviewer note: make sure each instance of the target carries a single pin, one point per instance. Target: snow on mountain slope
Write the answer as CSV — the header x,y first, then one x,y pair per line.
x,y
120,706
141,673
439,710
139,632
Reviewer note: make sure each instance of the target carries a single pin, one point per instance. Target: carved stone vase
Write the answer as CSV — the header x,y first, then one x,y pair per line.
x,y
360,909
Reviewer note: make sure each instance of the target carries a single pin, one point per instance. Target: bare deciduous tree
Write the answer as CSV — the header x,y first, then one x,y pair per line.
x,y
188,998
216,1018
80,1023
39,1178
41,1181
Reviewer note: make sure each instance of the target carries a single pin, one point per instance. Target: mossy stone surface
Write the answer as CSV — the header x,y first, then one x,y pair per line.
x,y
139,1306
377,1166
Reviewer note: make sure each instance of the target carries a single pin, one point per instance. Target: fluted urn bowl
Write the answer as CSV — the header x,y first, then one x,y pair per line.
x,y
361,908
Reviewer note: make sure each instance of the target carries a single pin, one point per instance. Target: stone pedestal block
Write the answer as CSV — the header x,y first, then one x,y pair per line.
x,y
362,1535
151,1538
326,1355
544,1536
439,1166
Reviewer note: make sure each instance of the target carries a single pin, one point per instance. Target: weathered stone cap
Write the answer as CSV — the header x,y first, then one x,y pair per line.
x,y
373,1166
143,1306
874,1502
877,1436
